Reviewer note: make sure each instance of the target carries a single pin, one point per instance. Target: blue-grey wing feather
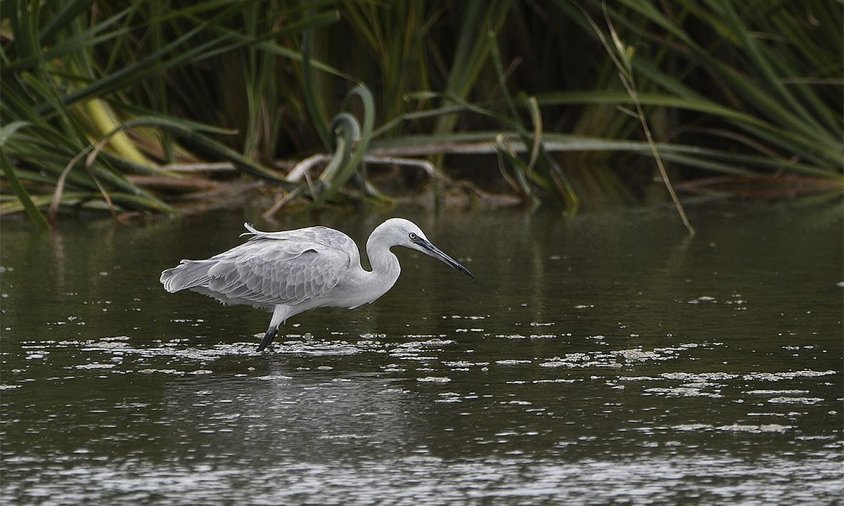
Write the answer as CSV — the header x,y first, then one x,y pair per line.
x,y
271,268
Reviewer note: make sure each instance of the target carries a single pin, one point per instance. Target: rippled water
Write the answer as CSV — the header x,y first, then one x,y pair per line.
x,y
598,358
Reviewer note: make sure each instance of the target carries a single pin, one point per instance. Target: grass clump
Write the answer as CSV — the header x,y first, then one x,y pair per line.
x,y
153,105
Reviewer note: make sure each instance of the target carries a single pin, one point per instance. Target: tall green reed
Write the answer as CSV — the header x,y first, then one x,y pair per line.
x,y
742,89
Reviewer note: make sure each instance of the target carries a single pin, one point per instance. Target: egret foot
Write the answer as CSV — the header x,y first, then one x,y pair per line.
x,y
268,339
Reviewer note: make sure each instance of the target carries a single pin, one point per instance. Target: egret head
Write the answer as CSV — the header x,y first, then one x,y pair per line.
x,y
401,232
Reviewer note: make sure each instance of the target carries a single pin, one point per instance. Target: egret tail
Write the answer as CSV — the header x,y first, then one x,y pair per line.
x,y
188,274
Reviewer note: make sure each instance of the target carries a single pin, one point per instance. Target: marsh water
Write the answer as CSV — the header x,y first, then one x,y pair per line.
x,y
604,357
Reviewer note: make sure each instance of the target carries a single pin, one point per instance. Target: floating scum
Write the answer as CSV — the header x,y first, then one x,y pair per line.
x,y
293,271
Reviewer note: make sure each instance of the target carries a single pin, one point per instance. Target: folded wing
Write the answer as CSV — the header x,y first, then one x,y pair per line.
x,y
271,268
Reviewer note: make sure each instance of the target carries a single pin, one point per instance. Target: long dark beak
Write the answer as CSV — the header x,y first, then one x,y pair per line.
x,y
437,253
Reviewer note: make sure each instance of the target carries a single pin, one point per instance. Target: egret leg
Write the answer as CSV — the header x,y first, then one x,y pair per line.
x,y
279,315
268,339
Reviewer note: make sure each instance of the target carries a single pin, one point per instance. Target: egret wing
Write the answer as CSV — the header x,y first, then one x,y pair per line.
x,y
322,236
265,272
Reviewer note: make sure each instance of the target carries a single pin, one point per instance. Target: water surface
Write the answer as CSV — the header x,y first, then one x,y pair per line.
x,y
603,357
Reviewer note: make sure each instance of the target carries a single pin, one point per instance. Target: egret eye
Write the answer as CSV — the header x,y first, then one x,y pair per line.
x,y
413,236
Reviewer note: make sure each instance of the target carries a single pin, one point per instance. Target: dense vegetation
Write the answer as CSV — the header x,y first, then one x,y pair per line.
x,y
149,104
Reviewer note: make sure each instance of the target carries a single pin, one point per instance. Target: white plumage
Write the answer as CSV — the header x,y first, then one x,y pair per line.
x,y
296,270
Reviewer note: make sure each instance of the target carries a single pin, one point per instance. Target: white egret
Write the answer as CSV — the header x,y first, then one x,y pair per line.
x,y
293,271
